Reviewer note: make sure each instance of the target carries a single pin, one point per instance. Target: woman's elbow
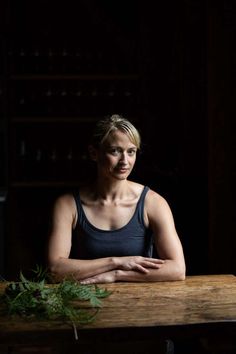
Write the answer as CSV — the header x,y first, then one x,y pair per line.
x,y
54,267
180,273
181,276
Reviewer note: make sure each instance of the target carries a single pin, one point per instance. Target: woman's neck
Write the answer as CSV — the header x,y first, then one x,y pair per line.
x,y
111,191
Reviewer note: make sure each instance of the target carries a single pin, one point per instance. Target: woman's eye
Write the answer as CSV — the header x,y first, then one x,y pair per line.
x,y
132,152
114,151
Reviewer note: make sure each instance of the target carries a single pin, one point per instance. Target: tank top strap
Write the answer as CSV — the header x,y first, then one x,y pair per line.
x,y
80,216
140,205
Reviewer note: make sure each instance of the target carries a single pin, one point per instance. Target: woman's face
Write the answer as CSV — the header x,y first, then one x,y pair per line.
x,y
116,157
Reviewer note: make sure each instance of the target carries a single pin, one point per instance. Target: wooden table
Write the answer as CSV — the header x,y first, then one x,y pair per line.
x,y
199,307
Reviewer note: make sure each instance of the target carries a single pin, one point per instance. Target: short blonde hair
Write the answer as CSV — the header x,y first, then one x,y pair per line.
x,y
109,124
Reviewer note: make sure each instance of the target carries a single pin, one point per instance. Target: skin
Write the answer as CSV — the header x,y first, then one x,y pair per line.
x,y
109,204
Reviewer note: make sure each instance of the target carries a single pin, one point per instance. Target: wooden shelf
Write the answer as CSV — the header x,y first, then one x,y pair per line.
x,y
102,77
53,119
47,184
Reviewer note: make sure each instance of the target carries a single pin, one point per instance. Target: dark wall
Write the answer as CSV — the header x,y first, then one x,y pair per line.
x,y
191,97
221,136
176,135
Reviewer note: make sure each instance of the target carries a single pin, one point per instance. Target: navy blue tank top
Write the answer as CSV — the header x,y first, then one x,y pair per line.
x,y
133,239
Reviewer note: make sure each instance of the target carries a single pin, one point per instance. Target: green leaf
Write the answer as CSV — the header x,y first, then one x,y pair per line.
x,y
39,299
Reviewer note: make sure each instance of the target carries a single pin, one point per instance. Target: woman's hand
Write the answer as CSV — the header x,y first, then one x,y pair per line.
x,y
138,263
107,277
135,263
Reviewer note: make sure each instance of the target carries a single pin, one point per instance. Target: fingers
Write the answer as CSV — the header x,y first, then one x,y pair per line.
x,y
153,263
89,281
107,277
143,264
154,260
140,268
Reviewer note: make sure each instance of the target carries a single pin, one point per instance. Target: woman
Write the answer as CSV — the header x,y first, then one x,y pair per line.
x,y
105,233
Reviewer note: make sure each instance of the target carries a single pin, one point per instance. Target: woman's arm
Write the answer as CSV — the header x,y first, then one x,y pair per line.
x,y
166,239
159,217
59,246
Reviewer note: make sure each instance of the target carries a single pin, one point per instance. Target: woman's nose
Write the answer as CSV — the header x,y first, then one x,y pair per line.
x,y
123,157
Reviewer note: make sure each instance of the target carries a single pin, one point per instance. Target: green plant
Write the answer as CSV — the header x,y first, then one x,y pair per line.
x,y
63,301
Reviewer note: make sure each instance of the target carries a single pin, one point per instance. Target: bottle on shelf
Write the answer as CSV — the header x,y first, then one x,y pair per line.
x,y
21,169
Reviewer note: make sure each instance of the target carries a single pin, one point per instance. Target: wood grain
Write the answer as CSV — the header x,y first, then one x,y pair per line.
x,y
208,300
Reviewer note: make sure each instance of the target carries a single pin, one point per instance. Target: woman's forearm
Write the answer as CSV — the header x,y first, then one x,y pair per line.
x,y
170,271
80,269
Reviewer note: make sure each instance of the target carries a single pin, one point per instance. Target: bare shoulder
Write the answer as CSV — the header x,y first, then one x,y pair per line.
x,y
65,203
154,197
156,204
64,210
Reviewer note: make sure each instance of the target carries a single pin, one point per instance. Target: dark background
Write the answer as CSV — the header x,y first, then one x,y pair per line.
x,y
170,68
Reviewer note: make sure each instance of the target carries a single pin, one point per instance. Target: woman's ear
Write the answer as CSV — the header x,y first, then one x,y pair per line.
x,y
92,152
